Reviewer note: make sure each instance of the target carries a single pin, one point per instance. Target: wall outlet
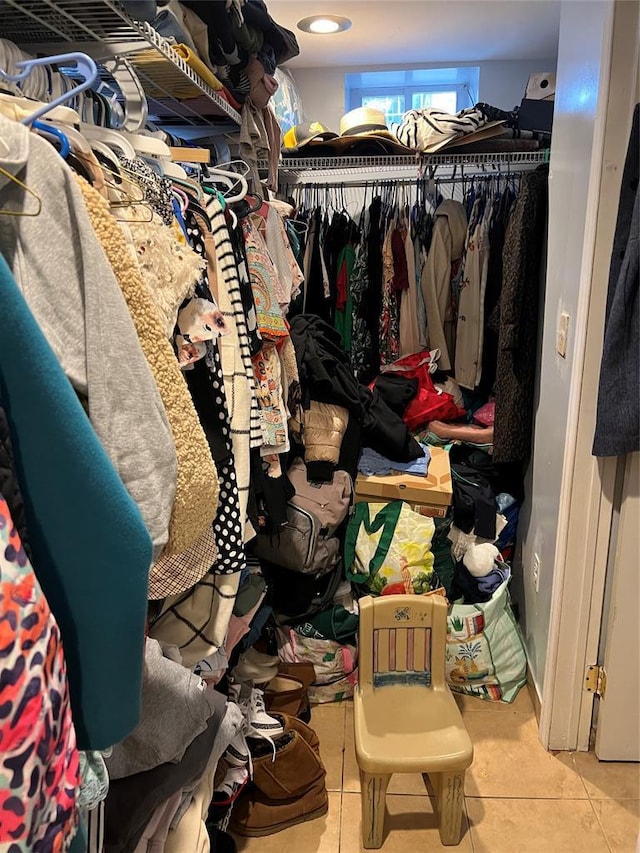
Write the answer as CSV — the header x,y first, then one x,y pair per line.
x,y
536,572
562,335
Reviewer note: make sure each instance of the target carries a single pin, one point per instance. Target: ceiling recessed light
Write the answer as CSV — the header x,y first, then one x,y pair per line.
x,y
324,24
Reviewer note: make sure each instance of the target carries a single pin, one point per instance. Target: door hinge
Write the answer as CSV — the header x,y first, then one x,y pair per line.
x,y
595,680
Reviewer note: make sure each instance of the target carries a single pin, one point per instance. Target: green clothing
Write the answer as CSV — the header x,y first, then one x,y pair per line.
x,y
344,316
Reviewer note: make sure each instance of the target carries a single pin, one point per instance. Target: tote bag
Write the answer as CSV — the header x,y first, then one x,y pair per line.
x,y
485,654
388,548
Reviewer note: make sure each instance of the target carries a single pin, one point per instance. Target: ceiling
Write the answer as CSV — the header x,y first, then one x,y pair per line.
x,y
387,32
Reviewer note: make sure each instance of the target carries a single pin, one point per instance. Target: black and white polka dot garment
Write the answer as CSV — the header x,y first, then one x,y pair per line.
x,y
227,266
228,525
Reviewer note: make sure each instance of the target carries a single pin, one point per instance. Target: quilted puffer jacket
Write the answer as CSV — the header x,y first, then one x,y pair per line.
x,y
324,427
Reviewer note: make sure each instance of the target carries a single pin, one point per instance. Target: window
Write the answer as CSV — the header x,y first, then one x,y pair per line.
x,y
395,92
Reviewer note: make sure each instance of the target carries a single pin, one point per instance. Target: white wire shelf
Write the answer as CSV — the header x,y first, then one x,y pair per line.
x,y
403,161
103,28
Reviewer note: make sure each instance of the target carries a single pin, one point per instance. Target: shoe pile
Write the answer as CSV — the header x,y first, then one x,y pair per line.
x,y
288,786
288,692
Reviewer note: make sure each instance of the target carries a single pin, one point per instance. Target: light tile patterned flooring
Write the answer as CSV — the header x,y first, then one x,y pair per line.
x,y
519,798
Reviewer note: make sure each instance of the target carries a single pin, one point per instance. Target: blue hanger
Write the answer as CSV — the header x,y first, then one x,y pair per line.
x,y
85,66
62,138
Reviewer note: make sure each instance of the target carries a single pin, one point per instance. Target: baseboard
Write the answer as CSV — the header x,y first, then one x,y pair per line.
x,y
533,693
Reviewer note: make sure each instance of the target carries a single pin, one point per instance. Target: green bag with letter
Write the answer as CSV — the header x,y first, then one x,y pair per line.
x,y
388,548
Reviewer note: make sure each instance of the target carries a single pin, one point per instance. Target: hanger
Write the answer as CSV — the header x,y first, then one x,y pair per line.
x,y
149,147
173,170
64,115
112,138
84,65
190,186
51,130
80,143
13,179
235,178
182,199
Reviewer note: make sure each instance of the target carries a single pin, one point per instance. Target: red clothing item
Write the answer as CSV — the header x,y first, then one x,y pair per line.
x,y
400,271
428,404
342,284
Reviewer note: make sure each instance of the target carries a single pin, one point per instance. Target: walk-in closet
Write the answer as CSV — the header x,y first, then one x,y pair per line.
x,y
319,418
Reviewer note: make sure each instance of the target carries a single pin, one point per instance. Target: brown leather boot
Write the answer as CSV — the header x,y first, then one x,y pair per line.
x,y
285,694
255,815
290,723
304,672
296,767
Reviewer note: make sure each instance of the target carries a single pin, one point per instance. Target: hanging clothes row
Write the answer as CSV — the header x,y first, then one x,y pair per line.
x,y
147,376
449,266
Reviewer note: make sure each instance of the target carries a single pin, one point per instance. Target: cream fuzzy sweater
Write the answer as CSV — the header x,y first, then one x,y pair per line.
x,y
196,497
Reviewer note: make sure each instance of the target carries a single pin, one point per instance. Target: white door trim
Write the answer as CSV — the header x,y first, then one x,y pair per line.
x,y
586,502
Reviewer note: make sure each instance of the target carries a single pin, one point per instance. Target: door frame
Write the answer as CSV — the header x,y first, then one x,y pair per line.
x,y
586,504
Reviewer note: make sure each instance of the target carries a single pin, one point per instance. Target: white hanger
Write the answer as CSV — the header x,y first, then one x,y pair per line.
x,y
107,153
72,135
236,180
174,170
113,138
60,113
147,146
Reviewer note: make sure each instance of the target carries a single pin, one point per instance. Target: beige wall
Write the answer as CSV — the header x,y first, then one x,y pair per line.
x,y
572,190
502,84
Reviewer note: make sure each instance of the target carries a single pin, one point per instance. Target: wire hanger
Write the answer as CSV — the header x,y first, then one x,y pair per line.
x,y
84,65
18,182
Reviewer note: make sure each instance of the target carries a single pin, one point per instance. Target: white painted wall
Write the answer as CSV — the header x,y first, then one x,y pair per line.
x,y
502,84
574,182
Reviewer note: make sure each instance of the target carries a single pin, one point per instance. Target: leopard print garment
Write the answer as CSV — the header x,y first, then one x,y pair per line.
x,y
39,762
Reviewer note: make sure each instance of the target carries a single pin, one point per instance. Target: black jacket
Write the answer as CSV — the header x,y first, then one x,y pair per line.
x,y
323,366
326,376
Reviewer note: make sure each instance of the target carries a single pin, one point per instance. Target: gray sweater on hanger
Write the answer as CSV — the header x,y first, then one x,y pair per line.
x,y
69,286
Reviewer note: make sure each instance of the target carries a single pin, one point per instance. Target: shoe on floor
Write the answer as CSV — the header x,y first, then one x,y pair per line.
x,y
285,694
255,815
260,724
237,753
231,786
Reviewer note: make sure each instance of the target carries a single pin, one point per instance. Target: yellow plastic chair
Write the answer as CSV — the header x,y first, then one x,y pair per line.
x,y
406,719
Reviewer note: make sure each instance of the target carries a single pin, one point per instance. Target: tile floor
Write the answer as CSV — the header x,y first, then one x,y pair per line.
x,y
519,798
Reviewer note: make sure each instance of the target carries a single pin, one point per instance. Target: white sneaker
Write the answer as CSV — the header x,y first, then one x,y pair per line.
x,y
260,723
237,753
234,781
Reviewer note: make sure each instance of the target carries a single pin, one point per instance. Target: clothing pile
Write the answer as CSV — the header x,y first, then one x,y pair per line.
x,y
364,132
479,574
235,47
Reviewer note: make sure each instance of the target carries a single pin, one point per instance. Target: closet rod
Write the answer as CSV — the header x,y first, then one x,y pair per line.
x,y
389,182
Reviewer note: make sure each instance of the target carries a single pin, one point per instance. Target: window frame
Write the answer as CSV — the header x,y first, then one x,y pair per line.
x,y
468,78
